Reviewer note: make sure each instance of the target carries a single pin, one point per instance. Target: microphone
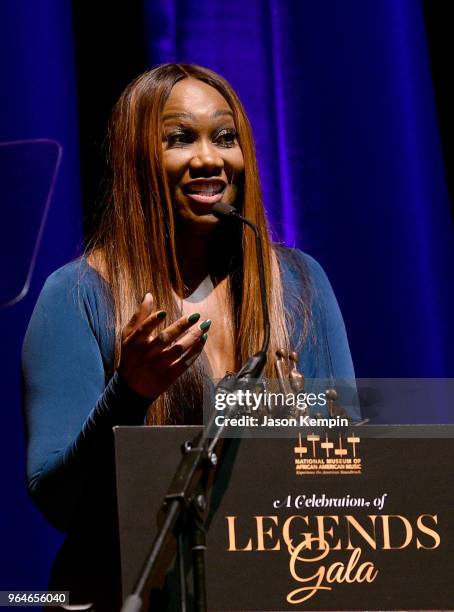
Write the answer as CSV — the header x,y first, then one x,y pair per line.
x,y
224,211
253,367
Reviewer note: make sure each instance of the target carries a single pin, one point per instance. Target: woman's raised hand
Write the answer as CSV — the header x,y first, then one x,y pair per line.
x,y
149,363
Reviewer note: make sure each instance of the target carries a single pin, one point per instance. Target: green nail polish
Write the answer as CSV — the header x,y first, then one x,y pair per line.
x,y
205,325
204,338
194,317
161,314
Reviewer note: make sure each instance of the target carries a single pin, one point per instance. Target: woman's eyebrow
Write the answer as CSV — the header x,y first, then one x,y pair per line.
x,y
186,115
221,112
174,115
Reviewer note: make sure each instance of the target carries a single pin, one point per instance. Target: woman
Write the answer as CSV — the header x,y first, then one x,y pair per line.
x,y
124,335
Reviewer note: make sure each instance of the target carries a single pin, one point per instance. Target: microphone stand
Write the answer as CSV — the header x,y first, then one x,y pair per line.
x,y
185,498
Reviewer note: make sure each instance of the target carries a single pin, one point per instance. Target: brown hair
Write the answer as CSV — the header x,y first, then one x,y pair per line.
x,y
135,245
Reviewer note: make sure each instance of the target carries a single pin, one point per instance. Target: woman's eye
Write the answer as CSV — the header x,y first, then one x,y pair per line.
x,y
178,138
227,138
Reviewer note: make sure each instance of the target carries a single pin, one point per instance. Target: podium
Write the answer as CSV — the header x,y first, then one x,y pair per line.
x,y
362,520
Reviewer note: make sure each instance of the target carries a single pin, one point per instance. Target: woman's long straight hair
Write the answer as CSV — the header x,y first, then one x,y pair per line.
x,y
135,246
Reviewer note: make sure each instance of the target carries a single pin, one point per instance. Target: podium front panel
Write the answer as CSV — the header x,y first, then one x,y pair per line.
x,y
295,525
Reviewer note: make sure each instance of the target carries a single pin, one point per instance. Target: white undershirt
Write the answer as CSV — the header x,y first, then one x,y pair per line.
x,y
201,292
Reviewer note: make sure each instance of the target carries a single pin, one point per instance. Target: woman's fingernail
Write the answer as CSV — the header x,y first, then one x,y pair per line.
x,y
205,325
194,317
161,314
204,338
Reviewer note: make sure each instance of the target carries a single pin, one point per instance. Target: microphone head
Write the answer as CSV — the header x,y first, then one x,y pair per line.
x,y
223,211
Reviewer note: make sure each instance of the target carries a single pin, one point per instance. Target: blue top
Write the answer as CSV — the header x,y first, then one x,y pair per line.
x,y
73,399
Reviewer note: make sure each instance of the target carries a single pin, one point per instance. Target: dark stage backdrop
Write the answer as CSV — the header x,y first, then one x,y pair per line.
x,y
343,99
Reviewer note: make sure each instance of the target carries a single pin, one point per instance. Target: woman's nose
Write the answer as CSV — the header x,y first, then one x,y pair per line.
x,y
206,158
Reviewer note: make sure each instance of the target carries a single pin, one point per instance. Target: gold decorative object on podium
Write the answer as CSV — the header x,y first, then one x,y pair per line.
x,y
291,381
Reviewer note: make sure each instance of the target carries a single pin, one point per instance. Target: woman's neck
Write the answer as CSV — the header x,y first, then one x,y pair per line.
x,y
196,255
205,253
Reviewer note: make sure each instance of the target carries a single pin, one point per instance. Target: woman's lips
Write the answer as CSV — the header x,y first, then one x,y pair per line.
x,y
205,191
205,198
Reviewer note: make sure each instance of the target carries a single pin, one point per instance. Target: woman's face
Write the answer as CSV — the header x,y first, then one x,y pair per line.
x,y
202,158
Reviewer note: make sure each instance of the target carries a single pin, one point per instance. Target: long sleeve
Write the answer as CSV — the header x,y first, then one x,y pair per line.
x,y
337,360
70,406
325,354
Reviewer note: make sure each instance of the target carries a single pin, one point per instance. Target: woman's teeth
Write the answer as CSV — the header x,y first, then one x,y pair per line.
x,y
206,189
